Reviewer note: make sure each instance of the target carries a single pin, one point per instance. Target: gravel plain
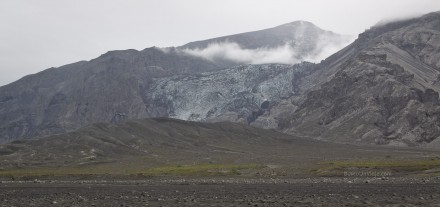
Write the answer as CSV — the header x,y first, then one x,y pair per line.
x,y
223,192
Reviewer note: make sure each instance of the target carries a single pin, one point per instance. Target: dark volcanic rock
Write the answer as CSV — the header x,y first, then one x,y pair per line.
x,y
108,88
129,84
381,89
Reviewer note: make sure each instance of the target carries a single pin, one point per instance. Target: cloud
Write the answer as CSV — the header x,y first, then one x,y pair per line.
x,y
392,19
285,54
231,51
325,48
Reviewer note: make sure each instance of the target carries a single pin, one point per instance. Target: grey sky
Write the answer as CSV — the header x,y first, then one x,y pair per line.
x,y
35,35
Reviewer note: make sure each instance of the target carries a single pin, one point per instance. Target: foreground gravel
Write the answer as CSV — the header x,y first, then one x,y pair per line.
x,y
223,192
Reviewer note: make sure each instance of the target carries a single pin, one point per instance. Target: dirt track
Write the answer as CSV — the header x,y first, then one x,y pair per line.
x,y
319,192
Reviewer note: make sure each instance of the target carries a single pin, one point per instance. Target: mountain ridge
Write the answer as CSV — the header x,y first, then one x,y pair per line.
x,y
375,86
381,89
297,25
109,88
146,143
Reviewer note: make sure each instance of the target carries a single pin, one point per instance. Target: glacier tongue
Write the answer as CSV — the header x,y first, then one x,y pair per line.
x,y
240,93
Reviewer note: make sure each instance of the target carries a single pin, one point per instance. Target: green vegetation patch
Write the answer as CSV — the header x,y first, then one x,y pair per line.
x,y
201,170
376,167
177,170
53,171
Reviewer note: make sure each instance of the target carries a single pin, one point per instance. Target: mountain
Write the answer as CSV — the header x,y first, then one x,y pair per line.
x,y
381,89
104,89
145,143
294,42
123,85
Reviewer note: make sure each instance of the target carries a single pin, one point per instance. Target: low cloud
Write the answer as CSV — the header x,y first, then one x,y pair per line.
x,y
285,54
325,48
233,52
398,18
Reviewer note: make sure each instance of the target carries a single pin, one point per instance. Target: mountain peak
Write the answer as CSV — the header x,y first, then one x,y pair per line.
x,y
298,23
362,96
116,86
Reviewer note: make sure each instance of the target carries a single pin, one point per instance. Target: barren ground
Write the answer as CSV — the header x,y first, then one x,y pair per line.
x,y
223,192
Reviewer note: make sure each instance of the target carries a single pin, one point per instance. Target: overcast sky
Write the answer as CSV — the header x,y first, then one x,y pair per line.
x,y
38,34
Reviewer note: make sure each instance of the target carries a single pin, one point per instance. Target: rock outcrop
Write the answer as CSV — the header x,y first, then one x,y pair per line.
x,y
106,89
381,89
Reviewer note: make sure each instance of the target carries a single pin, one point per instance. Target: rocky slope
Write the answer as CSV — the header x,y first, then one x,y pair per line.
x,y
106,89
119,85
381,89
238,94
138,144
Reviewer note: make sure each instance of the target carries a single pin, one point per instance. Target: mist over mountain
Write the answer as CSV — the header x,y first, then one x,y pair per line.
x,y
291,115
122,85
288,43
381,89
